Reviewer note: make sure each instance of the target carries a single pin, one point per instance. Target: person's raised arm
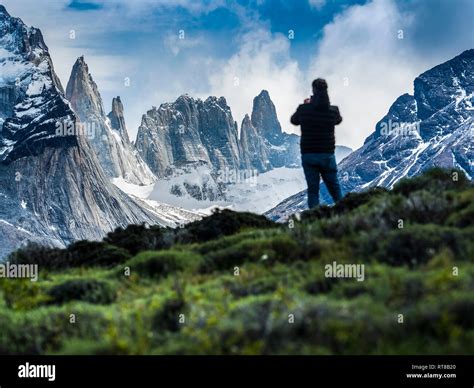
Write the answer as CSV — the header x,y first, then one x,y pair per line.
x,y
338,119
295,119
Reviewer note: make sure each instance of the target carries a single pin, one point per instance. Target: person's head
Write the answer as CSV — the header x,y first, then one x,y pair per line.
x,y
319,85
320,92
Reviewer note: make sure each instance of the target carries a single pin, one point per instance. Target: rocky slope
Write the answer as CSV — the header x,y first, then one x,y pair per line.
x,y
52,187
431,128
107,134
262,138
195,147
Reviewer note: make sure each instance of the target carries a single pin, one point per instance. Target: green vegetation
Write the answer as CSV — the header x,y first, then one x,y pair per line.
x,y
236,283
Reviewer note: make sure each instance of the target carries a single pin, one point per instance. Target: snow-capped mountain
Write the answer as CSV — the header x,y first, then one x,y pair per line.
x,y
431,128
107,134
53,188
190,141
264,145
193,146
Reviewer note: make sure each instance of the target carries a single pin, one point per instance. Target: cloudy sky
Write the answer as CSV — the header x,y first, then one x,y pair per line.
x,y
369,50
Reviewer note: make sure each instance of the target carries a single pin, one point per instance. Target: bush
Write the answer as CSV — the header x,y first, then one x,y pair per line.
x,y
44,257
86,290
417,244
80,253
137,238
45,329
258,286
167,317
348,203
462,218
434,180
93,253
161,264
221,223
280,248
323,285
22,294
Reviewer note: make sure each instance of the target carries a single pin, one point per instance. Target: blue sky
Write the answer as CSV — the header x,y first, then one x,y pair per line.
x,y
236,48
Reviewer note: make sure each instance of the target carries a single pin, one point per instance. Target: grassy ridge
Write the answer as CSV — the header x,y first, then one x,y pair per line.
x,y
236,283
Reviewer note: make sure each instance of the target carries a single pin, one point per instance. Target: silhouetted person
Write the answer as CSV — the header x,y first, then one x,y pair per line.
x,y
317,119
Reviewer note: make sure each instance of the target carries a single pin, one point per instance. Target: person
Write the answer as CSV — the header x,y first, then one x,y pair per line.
x,y
317,119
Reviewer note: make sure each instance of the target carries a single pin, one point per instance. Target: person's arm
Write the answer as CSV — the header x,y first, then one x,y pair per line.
x,y
338,119
295,119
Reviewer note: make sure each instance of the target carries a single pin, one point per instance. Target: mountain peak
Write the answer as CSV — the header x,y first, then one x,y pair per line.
x,y
467,54
264,118
83,92
444,84
3,11
80,65
264,94
116,117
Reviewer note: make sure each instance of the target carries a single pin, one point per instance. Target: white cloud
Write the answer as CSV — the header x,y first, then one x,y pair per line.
x,y
262,62
176,42
318,4
361,43
366,65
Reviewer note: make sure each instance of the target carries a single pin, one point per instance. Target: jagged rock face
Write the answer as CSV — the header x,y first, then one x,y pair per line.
x,y
189,131
182,139
264,118
262,141
108,135
117,119
30,103
431,128
192,141
253,148
52,186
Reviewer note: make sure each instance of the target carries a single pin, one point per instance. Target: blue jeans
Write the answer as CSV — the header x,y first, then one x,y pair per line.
x,y
325,165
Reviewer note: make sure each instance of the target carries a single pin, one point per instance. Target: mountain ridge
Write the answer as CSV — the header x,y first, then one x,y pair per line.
x,y
429,128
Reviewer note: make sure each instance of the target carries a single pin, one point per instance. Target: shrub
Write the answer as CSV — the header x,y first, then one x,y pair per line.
x,y
87,290
221,223
323,285
434,180
160,264
258,286
22,294
462,218
44,257
417,244
137,238
80,253
167,317
348,203
280,248
45,329
93,253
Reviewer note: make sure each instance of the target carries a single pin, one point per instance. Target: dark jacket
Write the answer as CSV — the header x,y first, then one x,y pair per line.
x,y
317,127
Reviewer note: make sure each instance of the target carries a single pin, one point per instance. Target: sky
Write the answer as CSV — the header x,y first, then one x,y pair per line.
x,y
151,51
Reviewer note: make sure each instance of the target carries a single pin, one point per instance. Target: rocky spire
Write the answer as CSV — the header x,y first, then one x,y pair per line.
x,y
117,120
54,190
253,150
264,118
116,154
83,94
189,131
